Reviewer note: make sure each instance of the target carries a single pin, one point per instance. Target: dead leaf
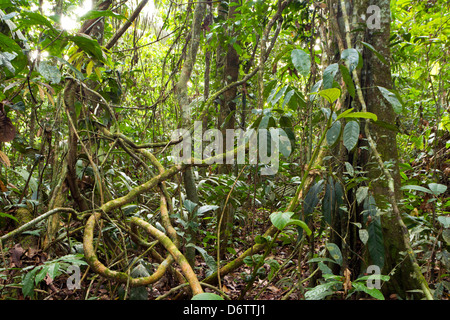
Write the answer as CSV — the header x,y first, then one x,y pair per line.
x,y
48,280
347,281
4,159
16,253
2,187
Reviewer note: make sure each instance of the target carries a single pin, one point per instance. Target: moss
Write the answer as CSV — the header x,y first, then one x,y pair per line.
x,y
23,216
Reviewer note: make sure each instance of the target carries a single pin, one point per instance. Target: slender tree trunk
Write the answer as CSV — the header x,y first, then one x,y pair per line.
x,y
227,121
181,92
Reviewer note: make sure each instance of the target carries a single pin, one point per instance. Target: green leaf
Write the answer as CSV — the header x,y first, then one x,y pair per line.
x,y
278,96
301,224
209,260
73,259
365,115
330,94
7,215
311,198
335,252
351,57
77,73
8,44
417,188
10,48
351,135
392,98
139,294
49,72
189,205
361,194
268,88
30,18
206,208
28,283
348,80
280,219
139,271
375,242
88,45
41,274
287,97
324,268
94,14
207,296
320,260
333,133
374,292
329,201
371,48
5,60
301,61
328,75
437,188
444,220
363,235
296,101
285,142
321,291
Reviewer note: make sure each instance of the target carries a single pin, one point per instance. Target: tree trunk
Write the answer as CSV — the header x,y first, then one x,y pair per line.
x,y
404,271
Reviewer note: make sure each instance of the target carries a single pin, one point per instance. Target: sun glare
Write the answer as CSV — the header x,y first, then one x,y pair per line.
x,y
70,22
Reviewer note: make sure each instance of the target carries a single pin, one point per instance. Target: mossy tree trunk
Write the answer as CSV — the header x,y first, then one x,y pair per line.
x,y
384,184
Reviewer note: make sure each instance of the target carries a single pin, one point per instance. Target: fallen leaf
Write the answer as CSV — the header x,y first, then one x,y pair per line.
x,y
16,253
347,282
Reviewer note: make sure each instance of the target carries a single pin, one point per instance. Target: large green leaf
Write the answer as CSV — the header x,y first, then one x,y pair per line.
x,y
392,98
335,252
371,291
331,94
351,57
77,73
348,80
12,53
371,48
88,45
312,199
365,115
328,75
278,96
301,61
329,201
417,188
28,283
285,142
300,224
7,215
207,296
375,242
333,133
49,72
31,18
321,291
281,219
351,135
296,100
437,188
